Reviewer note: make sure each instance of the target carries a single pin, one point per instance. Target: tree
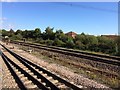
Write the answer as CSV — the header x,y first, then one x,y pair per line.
x,y
11,33
82,33
25,34
86,40
79,45
81,38
4,33
63,37
18,32
118,45
49,42
58,34
59,31
37,33
16,37
70,43
106,45
92,39
49,33
58,42
81,41
28,34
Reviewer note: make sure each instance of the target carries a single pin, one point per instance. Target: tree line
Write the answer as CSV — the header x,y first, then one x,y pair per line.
x,y
59,38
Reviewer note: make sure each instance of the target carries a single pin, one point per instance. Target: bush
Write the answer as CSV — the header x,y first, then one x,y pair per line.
x,y
70,44
49,42
58,42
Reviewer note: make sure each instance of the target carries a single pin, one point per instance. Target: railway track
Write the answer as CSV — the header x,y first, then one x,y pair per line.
x,y
29,75
112,60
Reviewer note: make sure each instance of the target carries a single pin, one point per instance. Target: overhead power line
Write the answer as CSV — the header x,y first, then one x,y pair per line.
x,y
87,7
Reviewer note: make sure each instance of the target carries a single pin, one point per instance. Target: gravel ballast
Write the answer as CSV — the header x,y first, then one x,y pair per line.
x,y
61,70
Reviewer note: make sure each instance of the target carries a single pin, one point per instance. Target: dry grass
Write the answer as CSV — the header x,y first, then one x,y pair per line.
x,y
109,81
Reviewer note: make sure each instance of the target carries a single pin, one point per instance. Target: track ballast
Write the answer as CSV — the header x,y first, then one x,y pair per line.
x,y
29,75
112,60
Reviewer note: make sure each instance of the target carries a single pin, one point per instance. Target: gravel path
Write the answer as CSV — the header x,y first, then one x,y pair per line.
x,y
61,70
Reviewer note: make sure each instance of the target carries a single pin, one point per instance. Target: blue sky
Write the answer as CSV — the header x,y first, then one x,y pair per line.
x,y
90,17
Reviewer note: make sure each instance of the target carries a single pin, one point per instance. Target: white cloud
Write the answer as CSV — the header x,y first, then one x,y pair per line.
x,y
8,0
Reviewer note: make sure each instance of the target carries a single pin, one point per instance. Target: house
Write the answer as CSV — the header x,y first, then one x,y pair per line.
x,y
71,34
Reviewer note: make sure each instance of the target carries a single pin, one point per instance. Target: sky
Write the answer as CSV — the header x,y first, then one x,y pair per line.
x,y
96,18
59,0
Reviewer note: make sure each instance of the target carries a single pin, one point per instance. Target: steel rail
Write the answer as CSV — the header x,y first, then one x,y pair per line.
x,y
17,79
23,60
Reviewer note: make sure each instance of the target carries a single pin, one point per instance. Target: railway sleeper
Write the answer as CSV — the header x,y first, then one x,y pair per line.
x,y
49,78
30,86
24,79
55,81
18,73
35,76
27,82
43,74
63,86
31,73
28,71
44,83
21,75
39,80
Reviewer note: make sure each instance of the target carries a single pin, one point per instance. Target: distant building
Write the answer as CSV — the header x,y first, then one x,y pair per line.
x,y
71,34
110,36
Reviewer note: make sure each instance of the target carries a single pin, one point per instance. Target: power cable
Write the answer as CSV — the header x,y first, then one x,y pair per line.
x,y
87,7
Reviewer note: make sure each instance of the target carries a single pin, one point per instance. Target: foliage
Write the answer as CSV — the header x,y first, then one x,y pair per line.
x,y
58,42
4,33
49,42
70,43
118,45
58,38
